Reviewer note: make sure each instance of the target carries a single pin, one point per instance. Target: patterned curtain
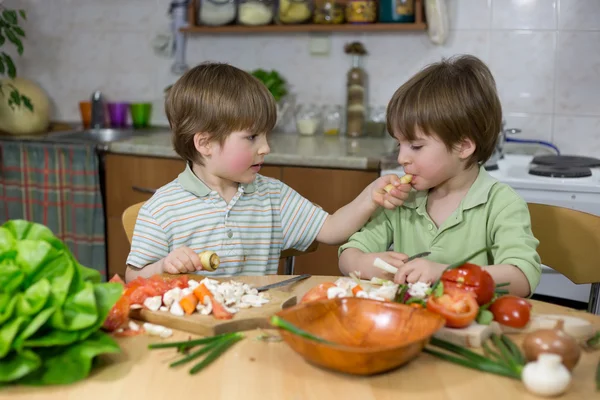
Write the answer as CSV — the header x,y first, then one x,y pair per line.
x,y
57,185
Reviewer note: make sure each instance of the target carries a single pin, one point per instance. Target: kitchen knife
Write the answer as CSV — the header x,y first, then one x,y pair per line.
x,y
283,283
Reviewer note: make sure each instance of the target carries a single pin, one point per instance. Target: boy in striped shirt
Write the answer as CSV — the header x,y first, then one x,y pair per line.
x,y
220,117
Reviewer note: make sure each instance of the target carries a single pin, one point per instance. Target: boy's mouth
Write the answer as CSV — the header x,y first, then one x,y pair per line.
x,y
256,167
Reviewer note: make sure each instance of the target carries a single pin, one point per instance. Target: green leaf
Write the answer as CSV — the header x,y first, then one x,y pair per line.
x,y
60,272
34,325
27,102
31,256
32,301
79,311
10,16
51,338
18,31
88,274
18,365
2,68
10,303
11,277
7,243
106,294
73,363
485,317
8,332
2,39
438,289
14,40
23,14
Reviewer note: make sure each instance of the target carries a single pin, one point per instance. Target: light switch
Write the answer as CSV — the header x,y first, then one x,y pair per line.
x,y
319,44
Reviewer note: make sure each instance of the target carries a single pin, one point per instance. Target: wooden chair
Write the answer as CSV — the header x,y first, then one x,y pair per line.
x,y
130,216
569,244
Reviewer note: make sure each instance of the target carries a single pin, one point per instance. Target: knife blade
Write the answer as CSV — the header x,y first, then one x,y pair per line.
x,y
284,282
418,255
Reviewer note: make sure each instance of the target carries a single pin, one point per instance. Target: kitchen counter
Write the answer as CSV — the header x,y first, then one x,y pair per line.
x,y
254,369
286,149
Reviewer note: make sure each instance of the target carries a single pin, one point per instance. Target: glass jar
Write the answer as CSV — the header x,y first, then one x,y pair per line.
x,y
308,119
361,11
376,123
356,98
216,12
255,12
332,120
396,10
329,12
294,11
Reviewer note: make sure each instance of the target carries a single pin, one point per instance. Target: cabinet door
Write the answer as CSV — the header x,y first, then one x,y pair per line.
x,y
130,180
330,189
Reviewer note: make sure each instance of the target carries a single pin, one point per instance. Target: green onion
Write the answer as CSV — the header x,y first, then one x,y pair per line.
x,y
283,324
471,355
490,367
197,353
401,293
514,349
499,285
217,350
189,343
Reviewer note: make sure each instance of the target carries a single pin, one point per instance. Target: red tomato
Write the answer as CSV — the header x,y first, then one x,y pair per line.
x,y
118,315
457,307
511,311
319,292
472,278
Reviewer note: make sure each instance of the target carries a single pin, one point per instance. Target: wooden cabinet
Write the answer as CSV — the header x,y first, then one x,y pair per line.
x,y
132,179
330,189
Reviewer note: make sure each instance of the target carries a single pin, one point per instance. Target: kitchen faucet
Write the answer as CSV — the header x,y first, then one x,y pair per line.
x,y
97,119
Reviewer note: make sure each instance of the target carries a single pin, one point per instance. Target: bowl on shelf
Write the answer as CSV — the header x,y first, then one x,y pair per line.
x,y
368,336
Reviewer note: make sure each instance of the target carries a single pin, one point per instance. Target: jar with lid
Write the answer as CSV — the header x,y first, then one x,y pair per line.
x,y
216,12
329,12
294,11
308,119
332,120
255,12
397,11
361,11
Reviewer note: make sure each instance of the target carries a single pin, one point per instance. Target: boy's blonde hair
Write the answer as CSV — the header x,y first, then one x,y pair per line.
x,y
453,99
217,99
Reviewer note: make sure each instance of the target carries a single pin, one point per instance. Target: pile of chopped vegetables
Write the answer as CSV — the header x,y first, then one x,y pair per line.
x,y
51,309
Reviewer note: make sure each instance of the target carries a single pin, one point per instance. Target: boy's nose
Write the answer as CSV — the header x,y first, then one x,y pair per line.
x,y
403,158
264,148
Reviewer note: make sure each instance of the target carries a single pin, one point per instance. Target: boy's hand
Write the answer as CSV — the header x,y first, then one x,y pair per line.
x,y
419,270
181,261
389,191
391,257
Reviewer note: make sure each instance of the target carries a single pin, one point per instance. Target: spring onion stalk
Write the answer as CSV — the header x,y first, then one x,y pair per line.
x,y
283,324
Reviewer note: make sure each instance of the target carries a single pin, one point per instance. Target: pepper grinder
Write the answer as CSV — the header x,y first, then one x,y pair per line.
x,y
356,93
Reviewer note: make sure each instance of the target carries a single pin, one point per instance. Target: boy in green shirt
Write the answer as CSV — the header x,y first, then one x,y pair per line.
x,y
446,120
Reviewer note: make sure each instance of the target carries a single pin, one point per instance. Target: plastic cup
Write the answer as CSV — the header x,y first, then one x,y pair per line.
x,y
140,114
117,113
85,110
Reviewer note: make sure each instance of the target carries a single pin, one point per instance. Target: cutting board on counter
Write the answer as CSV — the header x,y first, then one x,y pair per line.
x,y
208,325
473,335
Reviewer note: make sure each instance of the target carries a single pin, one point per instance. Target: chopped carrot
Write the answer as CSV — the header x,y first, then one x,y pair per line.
x,y
201,291
356,289
189,303
219,310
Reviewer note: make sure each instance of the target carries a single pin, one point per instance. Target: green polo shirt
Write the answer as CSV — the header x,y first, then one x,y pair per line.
x,y
491,213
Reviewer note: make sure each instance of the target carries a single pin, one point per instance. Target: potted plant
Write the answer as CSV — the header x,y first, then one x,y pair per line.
x,y
278,88
11,32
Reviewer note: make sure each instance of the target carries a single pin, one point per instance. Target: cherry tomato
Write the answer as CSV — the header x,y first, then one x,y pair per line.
x,y
472,278
458,307
511,311
319,292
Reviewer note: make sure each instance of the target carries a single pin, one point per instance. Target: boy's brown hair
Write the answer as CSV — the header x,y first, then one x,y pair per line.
x,y
453,99
217,99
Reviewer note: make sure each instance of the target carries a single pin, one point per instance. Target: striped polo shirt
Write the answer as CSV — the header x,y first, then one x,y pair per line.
x,y
263,218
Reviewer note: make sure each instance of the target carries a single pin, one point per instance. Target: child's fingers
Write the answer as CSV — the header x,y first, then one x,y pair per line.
x,y
194,259
413,276
402,273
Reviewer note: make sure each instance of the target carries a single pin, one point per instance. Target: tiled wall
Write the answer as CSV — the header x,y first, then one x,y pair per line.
x,y
545,55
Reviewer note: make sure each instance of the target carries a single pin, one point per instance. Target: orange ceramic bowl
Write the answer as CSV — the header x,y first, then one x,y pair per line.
x,y
370,336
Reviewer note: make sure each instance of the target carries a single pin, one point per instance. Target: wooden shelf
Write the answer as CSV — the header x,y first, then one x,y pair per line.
x,y
418,25
378,27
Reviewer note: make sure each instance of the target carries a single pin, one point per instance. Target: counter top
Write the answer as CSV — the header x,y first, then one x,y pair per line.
x,y
286,149
254,369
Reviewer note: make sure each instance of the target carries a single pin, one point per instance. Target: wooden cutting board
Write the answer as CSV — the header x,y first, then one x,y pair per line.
x,y
208,325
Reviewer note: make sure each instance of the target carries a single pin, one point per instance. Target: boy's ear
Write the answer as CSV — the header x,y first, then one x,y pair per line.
x,y
202,144
466,148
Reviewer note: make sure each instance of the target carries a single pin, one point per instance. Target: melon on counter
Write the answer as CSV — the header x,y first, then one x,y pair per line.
x,y
19,120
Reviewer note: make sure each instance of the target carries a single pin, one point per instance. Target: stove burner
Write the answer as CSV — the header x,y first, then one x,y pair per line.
x,y
560,171
566,161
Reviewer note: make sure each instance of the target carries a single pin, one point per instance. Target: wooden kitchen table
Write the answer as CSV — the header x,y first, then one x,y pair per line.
x,y
255,369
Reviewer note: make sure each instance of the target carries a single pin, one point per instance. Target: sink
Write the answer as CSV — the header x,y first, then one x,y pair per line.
x,y
99,136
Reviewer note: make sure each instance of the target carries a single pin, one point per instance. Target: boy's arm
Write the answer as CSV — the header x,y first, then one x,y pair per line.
x,y
375,237
347,220
149,247
516,259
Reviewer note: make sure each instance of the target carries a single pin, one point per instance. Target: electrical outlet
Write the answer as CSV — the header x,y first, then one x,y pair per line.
x,y
319,44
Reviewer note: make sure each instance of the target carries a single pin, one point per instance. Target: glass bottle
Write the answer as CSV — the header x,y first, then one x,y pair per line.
x,y
255,12
356,98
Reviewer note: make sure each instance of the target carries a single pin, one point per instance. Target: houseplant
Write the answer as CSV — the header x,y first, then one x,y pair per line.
x,y
11,32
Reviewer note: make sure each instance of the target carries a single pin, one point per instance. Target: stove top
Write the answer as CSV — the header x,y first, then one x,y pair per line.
x,y
549,172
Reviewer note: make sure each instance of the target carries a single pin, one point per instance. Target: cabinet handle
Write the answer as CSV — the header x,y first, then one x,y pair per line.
x,y
143,190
